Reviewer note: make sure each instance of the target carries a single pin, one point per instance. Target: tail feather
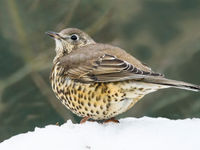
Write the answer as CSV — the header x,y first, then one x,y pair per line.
x,y
173,83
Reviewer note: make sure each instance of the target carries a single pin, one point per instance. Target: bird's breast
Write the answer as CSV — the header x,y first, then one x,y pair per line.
x,y
97,100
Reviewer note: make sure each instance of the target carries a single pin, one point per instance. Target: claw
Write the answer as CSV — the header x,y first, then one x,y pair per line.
x,y
111,120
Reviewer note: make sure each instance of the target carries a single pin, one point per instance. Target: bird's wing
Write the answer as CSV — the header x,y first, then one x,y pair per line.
x,y
103,64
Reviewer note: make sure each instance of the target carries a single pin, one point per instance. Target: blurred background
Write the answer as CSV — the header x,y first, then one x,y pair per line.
x,y
162,33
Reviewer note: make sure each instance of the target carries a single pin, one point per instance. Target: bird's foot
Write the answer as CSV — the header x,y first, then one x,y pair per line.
x,y
111,120
105,121
84,120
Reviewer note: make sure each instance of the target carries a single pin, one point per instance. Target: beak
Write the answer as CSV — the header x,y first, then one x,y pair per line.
x,y
54,35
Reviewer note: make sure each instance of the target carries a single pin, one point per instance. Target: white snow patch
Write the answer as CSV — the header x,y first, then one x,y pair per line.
x,y
130,134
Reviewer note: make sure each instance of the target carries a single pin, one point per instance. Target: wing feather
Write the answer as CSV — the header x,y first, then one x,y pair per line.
x,y
106,68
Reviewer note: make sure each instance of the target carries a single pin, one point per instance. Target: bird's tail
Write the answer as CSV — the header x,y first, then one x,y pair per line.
x,y
173,83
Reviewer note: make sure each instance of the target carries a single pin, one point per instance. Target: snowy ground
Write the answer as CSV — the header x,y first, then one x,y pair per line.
x,y
130,134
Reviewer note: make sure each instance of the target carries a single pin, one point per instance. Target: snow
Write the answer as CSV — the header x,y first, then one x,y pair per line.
x,y
130,134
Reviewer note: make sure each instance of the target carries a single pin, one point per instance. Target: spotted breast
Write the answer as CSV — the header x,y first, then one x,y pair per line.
x,y
97,100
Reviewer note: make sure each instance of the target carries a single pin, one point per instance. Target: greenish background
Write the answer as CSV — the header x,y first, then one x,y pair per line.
x,y
162,33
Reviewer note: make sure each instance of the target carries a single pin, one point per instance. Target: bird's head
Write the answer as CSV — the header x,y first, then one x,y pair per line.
x,y
69,39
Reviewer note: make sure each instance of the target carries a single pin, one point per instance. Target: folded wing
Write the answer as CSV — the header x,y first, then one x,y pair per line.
x,y
102,66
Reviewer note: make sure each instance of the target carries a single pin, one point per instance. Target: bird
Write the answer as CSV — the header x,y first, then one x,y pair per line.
x,y
99,81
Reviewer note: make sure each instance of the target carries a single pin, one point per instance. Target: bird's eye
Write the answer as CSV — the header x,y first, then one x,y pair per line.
x,y
74,37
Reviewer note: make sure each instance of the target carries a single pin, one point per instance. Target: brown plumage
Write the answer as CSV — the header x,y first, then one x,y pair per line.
x,y
100,81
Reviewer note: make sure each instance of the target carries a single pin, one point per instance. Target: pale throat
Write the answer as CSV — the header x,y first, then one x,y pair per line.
x,y
58,45
60,50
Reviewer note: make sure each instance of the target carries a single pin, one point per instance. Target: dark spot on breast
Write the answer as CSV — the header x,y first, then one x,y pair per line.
x,y
86,109
103,89
108,105
89,104
97,86
75,99
68,92
67,104
70,98
98,98
92,111
62,97
62,80
79,88
97,112
89,98
57,68
79,95
74,85
92,94
72,91
104,113
116,94
82,103
91,85
101,107
57,89
95,105
89,92
75,92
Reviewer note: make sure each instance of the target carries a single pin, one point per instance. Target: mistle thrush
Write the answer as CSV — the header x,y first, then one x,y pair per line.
x,y
100,81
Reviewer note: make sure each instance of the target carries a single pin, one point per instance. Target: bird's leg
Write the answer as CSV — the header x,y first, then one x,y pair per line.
x,y
111,120
84,120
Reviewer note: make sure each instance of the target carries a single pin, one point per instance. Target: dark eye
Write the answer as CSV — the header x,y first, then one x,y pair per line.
x,y
74,37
